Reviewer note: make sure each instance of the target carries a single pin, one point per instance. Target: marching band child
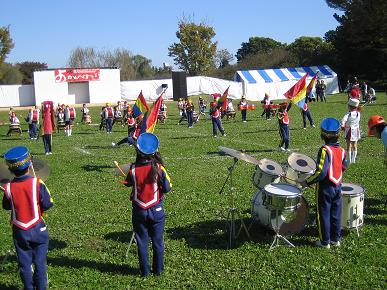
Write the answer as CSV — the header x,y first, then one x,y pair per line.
x,y
14,123
216,121
60,118
202,106
28,198
329,172
283,122
243,108
190,111
108,116
131,139
351,125
181,105
48,125
306,114
266,105
85,112
70,115
150,182
33,121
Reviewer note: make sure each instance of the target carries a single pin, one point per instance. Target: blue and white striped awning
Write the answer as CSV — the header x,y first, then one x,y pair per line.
x,y
282,74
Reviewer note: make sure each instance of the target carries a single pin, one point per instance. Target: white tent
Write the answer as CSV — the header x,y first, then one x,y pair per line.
x,y
276,82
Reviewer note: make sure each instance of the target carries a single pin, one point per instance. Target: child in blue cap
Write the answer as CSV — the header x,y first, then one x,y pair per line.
x,y
28,198
328,175
149,181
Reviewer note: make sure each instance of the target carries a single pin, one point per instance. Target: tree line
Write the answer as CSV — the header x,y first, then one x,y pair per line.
x,y
357,47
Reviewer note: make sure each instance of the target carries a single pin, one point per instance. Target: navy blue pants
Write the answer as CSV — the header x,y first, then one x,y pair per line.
x,y
285,135
32,130
31,248
329,213
244,115
149,223
307,115
47,141
109,125
217,124
190,118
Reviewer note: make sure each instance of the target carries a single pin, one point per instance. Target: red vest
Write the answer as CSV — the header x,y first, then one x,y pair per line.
x,y
145,191
215,114
24,197
285,120
35,115
72,113
109,112
305,107
336,157
131,122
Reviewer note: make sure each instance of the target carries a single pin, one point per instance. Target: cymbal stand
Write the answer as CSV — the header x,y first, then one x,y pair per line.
x,y
9,253
277,236
233,212
132,240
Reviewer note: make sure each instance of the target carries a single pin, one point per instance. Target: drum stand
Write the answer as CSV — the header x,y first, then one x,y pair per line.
x,y
277,236
232,212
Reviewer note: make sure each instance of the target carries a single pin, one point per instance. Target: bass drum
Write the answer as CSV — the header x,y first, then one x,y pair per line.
x,y
289,222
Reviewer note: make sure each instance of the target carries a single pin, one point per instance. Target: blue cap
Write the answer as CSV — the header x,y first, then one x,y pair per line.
x,y
330,126
18,158
147,143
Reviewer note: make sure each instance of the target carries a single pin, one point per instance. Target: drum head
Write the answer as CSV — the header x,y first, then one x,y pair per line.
x,y
282,190
351,189
301,163
300,219
270,167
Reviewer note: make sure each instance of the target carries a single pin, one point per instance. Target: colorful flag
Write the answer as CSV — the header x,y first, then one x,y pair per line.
x,y
222,102
140,107
309,89
297,92
149,121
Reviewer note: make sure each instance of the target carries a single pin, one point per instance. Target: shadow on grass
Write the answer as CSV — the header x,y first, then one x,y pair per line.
x,y
55,244
97,147
6,287
100,266
190,137
220,153
98,168
375,221
214,234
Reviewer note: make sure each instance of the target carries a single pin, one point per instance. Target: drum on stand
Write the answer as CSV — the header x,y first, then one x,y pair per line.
x,y
87,119
294,209
300,167
352,205
268,171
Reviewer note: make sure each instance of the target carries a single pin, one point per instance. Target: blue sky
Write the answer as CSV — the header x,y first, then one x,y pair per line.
x,y
47,31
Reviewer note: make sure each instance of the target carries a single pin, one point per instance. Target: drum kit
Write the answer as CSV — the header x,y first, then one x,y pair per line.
x,y
279,204
39,169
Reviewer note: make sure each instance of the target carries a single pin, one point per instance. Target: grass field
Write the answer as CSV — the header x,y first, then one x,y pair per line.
x,y
90,224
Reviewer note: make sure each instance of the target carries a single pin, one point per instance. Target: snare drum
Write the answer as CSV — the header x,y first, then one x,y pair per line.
x,y
352,205
281,196
287,224
87,119
300,167
267,172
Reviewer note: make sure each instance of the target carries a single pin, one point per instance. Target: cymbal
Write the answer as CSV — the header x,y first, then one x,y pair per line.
x,y
239,155
40,166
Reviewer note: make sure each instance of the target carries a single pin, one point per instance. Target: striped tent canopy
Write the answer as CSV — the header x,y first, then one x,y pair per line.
x,y
282,74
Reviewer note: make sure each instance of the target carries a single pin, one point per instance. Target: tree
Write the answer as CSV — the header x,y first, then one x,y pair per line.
x,y
276,58
257,45
10,74
360,39
223,58
131,67
6,43
311,50
195,51
27,68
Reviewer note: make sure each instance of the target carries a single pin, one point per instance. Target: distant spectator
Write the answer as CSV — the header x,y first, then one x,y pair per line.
x,y
364,90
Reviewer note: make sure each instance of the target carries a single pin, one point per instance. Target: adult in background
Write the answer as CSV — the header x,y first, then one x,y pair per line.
x,y
323,88
328,174
150,182
28,198
364,90
48,125
377,127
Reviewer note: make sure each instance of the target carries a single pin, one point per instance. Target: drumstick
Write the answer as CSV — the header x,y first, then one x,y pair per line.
x,y
33,169
119,168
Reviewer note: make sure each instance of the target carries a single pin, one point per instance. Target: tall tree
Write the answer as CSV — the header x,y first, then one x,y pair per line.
x,y
360,39
257,45
27,68
223,58
311,50
131,67
10,74
6,43
195,51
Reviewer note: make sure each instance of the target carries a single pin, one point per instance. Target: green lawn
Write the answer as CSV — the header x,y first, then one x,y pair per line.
x,y
90,224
